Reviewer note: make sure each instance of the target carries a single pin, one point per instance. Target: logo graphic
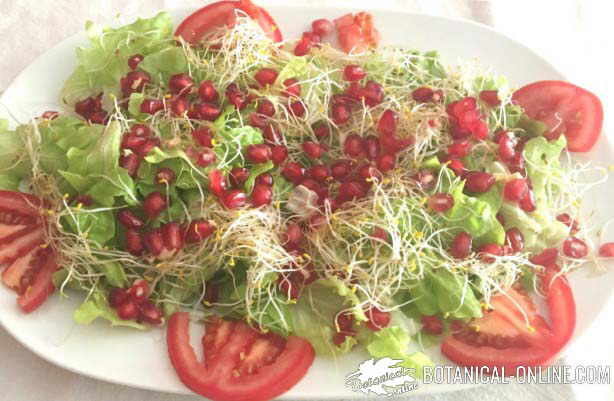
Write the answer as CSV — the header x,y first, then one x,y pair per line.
x,y
382,377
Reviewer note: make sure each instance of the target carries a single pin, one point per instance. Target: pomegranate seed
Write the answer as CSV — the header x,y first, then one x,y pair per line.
x,y
88,106
203,137
128,311
141,130
303,47
322,27
573,225
150,314
134,242
311,184
461,245
235,96
154,204
351,190
341,169
279,154
374,93
459,149
205,157
98,117
135,60
368,172
265,179
238,176
313,150
256,120
321,131
207,92
118,296
354,146
528,202
432,325
297,108
490,97
129,219
386,162
312,37
507,151
179,106
234,199
148,146
293,172
217,182
478,181
151,106
378,319
381,234
180,83
172,235
260,153
480,131
425,179
344,321
291,289
441,202
607,250
515,239
272,134
50,115
292,88
490,249
319,172
266,108
133,142
574,247
198,230
340,114
456,166
515,190
134,81
139,291
206,111
387,125
262,195
154,242
353,72
422,94
266,76
516,165
293,236
546,258
130,162
339,338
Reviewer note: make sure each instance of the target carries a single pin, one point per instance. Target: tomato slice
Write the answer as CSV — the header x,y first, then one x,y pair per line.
x,y
503,338
566,109
221,13
41,286
241,364
356,32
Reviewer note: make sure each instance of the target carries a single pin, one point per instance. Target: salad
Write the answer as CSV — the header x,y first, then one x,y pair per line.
x,y
300,199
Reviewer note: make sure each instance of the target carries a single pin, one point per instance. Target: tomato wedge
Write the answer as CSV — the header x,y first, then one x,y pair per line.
x,y
241,364
41,285
566,109
221,13
502,339
356,32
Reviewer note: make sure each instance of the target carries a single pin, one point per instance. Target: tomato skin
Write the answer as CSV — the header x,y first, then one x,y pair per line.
x,y
565,108
42,286
215,379
21,203
221,13
356,33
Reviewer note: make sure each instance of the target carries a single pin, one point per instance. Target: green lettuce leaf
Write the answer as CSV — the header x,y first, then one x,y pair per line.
x,y
164,63
232,139
97,226
98,307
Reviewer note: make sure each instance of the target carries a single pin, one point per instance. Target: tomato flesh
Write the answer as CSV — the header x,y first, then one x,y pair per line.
x,y
241,364
356,32
42,284
566,109
223,13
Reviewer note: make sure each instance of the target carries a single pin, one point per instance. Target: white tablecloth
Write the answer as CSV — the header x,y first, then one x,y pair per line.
x,y
576,35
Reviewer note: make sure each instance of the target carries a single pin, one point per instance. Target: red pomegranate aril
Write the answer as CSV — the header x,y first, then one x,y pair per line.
x,y
133,142
207,92
293,172
303,47
566,219
574,247
130,162
266,108
441,202
154,242
293,236
353,72
217,182
141,130
279,154
344,321
50,115
387,124
272,135
381,234
339,338
150,314
297,108
154,204
373,93
480,130
151,106
135,60
234,199
372,147
139,291
432,325
172,235
292,88
134,242
205,157
148,146
322,27
129,219
289,288
490,97
354,146
180,83
264,179
257,120
199,230
88,106
341,169
134,81
203,137
459,149
128,311
235,96
311,184
478,181
546,258
461,245
516,164
378,319
207,111
606,250
340,114
507,150
351,190
98,117
321,131
422,95
313,150
238,176
490,249
260,153
179,106
385,162
118,296
368,172
515,239
528,202
262,195
515,190
320,173
266,76
312,37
